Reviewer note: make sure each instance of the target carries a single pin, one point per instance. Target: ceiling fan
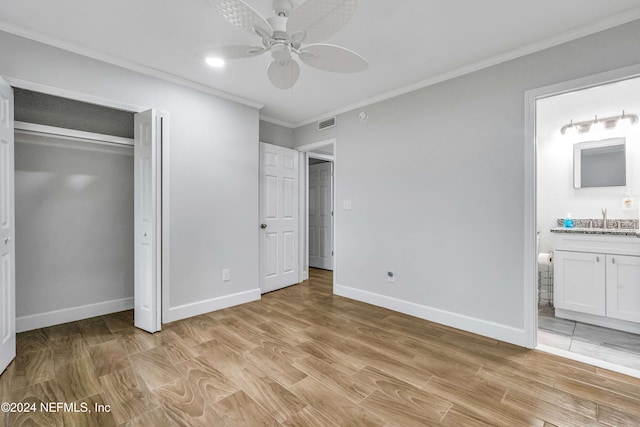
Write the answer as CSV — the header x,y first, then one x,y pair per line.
x,y
292,31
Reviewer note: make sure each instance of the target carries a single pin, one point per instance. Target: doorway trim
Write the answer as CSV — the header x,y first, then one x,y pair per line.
x,y
303,249
530,190
163,178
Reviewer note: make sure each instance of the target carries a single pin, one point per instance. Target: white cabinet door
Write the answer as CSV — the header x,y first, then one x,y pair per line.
x,y
320,216
623,287
278,217
147,211
7,230
580,282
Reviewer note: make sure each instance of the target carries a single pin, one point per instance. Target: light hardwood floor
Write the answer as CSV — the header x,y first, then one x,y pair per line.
x,y
303,357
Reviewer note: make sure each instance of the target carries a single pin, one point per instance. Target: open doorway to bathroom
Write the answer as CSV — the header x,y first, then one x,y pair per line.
x,y
588,275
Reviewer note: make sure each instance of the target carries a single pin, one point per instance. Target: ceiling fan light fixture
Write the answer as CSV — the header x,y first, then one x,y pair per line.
x,y
281,52
284,34
215,62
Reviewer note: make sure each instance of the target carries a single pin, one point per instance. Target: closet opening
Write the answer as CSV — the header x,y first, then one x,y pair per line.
x,y
76,226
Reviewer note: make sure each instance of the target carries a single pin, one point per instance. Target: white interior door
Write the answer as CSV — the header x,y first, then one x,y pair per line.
x,y
147,217
278,217
7,230
320,216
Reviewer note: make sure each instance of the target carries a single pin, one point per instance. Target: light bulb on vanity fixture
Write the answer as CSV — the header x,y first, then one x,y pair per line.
x,y
598,128
570,131
625,122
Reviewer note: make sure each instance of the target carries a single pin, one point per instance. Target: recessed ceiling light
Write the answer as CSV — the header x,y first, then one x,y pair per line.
x,y
215,62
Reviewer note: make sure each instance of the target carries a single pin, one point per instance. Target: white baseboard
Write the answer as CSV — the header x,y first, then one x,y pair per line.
x,y
56,317
470,324
213,304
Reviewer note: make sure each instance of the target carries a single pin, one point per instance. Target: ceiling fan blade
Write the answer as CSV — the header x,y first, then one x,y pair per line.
x,y
337,59
243,16
318,20
283,75
234,52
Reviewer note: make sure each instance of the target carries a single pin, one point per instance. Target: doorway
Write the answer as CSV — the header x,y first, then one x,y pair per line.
x,y
550,195
320,212
313,156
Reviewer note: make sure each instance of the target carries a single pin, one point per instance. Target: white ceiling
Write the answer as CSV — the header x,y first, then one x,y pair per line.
x,y
407,42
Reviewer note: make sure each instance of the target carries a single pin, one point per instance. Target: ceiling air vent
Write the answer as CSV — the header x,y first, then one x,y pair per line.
x,y
327,124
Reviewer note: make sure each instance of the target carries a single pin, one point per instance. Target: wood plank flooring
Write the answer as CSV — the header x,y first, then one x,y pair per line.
x,y
304,357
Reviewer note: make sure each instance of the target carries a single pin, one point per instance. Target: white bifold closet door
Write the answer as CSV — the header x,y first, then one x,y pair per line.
x,y
7,230
147,218
278,217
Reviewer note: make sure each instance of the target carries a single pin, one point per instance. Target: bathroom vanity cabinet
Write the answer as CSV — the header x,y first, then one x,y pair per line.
x,y
623,287
580,282
597,280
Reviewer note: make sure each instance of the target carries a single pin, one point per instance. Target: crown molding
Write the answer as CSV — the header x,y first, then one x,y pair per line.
x,y
123,63
576,33
277,121
565,37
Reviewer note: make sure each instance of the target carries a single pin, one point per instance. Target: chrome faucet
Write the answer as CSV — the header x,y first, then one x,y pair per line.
x,y
604,217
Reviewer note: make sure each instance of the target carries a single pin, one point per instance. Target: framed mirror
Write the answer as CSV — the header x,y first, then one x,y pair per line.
x,y
600,163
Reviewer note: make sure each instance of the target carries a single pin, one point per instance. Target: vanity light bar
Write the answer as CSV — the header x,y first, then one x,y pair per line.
x,y
607,122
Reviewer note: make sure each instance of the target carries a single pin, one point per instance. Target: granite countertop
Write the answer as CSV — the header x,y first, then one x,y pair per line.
x,y
615,227
602,231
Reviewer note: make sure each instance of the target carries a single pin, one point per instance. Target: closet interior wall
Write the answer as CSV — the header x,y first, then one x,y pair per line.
x,y
74,213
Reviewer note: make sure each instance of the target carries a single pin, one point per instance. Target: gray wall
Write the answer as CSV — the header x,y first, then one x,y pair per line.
x,y
276,134
74,224
436,183
213,158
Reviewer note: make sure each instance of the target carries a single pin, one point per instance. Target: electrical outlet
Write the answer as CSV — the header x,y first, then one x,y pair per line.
x,y
391,277
226,275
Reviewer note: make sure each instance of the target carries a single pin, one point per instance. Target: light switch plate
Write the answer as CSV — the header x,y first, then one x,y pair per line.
x,y
347,205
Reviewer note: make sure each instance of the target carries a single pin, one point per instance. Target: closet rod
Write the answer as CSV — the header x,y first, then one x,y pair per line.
x,y
71,133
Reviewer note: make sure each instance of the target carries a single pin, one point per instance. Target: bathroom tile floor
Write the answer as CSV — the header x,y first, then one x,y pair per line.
x,y
621,348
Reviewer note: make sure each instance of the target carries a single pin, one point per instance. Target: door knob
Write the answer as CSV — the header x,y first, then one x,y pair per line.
x,y
7,240
263,225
